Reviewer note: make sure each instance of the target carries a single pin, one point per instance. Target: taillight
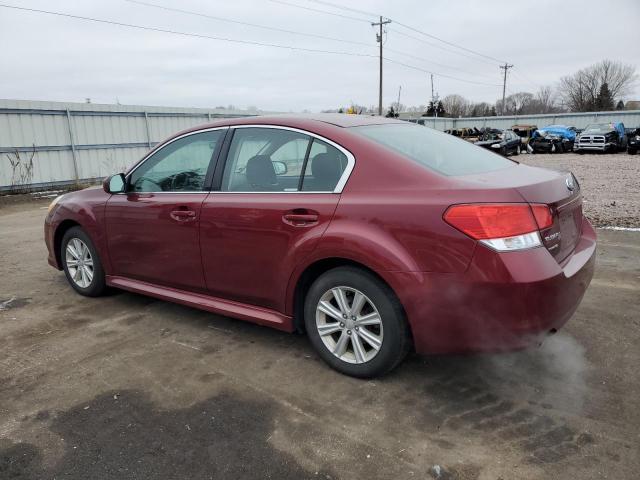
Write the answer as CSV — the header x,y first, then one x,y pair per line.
x,y
542,214
503,226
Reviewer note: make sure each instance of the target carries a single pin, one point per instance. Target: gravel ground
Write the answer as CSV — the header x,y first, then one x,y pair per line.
x,y
610,184
126,387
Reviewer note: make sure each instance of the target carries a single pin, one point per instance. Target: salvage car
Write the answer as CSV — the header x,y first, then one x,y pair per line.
x,y
504,142
372,235
602,137
552,139
633,141
524,132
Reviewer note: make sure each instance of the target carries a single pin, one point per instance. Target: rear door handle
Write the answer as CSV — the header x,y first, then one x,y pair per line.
x,y
300,219
183,215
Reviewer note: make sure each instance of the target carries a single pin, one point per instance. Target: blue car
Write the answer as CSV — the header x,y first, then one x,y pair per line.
x,y
552,139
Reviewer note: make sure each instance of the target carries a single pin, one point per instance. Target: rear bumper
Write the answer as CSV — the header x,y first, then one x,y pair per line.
x,y
504,301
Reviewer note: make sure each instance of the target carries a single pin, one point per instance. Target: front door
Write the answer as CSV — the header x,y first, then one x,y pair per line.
x,y
275,198
153,229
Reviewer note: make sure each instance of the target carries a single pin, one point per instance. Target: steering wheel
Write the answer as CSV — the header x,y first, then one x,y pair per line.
x,y
179,180
141,180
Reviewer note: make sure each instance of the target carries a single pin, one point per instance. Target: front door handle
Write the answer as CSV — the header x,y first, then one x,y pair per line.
x,y
300,219
183,215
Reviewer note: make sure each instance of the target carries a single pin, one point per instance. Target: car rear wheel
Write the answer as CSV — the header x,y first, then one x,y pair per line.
x,y
81,263
355,323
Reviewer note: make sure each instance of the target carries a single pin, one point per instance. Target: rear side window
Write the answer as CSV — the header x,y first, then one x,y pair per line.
x,y
325,166
265,160
436,150
278,160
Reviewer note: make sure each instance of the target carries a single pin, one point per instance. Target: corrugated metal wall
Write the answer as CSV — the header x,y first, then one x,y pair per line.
x,y
84,141
631,118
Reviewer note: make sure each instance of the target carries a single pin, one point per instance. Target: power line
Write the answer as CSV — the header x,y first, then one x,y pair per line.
x,y
413,67
293,32
238,22
231,40
186,34
340,7
317,10
422,40
447,43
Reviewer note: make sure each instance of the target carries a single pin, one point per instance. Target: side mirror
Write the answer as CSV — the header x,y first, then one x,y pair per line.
x,y
114,183
280,168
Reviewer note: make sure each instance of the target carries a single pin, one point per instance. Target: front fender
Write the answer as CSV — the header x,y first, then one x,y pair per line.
x,y
85,208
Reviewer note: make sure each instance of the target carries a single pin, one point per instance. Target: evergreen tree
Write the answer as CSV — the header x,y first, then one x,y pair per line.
x,y
620,105
605,99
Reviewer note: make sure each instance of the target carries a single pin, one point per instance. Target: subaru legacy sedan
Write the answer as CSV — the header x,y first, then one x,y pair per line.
x,y
373,236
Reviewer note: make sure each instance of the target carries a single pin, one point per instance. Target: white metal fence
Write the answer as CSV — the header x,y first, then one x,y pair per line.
x,y
46,144
631,118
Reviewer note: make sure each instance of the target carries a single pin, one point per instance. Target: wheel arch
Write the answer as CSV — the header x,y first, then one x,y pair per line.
x,y
61,229
312,271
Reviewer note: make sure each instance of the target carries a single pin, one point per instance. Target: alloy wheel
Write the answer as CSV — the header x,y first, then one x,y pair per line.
x,y
349,324
79,262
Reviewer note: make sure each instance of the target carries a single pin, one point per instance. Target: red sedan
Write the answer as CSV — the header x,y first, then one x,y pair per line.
x,y
373,236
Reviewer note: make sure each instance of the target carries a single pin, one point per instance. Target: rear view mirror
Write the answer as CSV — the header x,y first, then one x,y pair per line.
x,y
280,168
114,183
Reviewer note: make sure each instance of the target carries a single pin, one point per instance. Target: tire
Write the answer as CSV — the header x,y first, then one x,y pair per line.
x,y
631,151
88,278
517,150
391,329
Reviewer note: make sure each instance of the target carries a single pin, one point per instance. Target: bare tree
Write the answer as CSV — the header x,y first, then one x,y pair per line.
x,y
581,90
545,100
456,105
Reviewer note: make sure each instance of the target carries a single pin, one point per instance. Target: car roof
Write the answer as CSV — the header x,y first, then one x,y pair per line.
x,y
305,120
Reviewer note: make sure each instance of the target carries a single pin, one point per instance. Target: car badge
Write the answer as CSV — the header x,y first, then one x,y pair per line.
x,y
571,185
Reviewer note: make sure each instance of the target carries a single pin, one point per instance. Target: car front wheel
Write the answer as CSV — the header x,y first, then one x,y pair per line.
x,y
81,263
355,323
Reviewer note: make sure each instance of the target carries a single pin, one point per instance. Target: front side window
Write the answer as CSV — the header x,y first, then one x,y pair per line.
x,y
273,160
181,166
435,150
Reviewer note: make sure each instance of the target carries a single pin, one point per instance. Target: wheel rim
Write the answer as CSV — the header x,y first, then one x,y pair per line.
x,y
79,262
349,325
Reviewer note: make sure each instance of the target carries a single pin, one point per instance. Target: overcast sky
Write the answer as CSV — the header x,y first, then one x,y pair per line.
x,y
45,57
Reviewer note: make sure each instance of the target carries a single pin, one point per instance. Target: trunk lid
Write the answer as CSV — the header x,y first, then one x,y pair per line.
x,y
559,190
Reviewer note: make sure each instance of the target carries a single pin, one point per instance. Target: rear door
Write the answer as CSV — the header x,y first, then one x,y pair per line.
x,y
153,228
273,199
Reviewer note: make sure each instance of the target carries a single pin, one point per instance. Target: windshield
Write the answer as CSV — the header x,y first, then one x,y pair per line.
x,y
436,150
598,128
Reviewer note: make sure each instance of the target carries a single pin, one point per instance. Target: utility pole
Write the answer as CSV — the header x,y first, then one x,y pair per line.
x,y
398,106
434,99
381,23
505,67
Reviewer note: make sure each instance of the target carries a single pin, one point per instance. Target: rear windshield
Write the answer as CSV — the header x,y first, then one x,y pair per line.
x,y
438,151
